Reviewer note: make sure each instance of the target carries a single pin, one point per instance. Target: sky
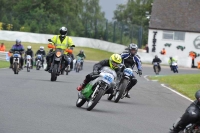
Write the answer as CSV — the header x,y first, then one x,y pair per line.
x,y
108,6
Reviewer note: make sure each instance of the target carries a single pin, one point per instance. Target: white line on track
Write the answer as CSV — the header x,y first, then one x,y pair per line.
x,y
145,76
163,85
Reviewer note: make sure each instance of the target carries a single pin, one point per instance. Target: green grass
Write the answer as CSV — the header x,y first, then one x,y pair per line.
x,y
91,54
4,64
185,84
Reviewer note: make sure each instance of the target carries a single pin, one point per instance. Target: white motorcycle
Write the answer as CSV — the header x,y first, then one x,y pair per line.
x,y
96,88
38,62
28,63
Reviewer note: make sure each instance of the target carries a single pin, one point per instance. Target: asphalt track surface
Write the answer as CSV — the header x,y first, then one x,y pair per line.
x,y
31,103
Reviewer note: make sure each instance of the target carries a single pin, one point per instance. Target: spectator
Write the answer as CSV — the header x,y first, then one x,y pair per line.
x,y
2,47
163,52
193,56
147,48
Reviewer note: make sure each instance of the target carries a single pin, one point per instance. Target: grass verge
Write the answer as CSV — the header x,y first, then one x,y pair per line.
x,y
91,54
186,84
4,64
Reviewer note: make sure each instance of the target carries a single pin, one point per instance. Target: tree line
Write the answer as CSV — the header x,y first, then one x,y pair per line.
x,y
83,18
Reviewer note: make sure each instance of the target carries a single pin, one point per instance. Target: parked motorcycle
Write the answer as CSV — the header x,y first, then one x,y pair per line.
x,y
96,88
38,62
16,62
122,84
28,63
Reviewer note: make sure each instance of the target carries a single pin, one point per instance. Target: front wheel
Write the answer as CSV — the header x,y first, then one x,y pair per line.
x,y
120,92
54,72
28,67
80,102
15,68
92,102
38,65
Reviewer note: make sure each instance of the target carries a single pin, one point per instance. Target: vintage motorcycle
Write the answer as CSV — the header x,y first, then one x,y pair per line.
x,y
96,88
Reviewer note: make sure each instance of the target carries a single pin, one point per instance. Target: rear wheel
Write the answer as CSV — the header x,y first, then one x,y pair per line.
x,y
92,102
54,72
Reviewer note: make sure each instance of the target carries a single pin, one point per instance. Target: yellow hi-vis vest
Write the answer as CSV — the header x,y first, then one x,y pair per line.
x,y
66,43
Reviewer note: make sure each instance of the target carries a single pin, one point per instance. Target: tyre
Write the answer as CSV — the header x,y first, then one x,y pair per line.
x,y
15,68
54,73
67,70
110,96
37,65
157,70
92,102
80,102
28,67
122,88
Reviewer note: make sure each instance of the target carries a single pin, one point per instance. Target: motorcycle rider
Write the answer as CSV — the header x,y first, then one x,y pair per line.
x,y
191,115
82,55
170,61
156,60
62,41
113,62
42,52
130,59
17,47
29,52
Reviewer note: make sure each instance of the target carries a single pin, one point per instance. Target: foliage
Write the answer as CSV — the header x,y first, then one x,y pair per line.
x,y
134,13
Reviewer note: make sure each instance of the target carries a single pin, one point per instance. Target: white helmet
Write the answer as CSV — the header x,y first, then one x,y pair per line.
x,y
28,47
41,48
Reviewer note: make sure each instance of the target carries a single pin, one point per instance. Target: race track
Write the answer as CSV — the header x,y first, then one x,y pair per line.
x,y
31,103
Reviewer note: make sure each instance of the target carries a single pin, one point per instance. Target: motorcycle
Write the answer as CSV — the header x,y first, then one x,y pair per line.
x,y
174,67
28,63
96,88
38,62
122,84
56,64
78,64
16,62
191,128
67,68
156,64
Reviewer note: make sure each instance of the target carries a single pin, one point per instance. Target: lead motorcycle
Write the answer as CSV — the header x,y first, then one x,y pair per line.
x,y
123,82
56,64
96,88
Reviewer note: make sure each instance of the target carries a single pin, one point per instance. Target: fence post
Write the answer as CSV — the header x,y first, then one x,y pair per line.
x,y
114,26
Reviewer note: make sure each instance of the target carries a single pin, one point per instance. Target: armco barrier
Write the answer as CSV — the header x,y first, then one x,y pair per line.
x,y
87,42
4,56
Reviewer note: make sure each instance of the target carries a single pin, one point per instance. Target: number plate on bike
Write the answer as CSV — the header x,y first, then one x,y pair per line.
x,y
16,55
108,78
128,71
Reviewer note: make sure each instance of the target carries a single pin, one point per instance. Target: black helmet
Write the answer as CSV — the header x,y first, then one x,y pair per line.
x,y
63,31
133,46
197,95
156,56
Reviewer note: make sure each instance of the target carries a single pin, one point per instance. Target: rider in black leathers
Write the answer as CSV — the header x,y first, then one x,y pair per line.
x,y
42,52
191,115
157,60
130,59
